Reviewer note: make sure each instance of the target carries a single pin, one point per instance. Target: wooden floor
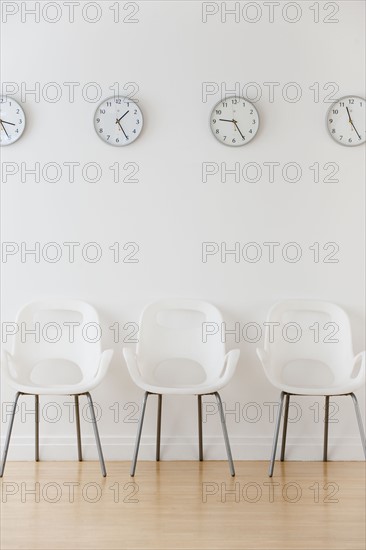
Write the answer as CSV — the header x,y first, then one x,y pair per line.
x,y
183,505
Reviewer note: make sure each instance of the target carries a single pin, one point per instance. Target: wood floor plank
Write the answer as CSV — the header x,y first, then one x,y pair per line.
x,y
183,505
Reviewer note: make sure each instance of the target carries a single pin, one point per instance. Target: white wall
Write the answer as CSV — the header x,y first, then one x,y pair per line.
x,y
170,53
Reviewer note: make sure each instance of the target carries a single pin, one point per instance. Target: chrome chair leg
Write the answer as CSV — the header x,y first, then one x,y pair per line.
x,y
326,426
226,437
359,422
158,427
96,434
78,431
8,435
200,439
36,418
284,430
275,438
138,437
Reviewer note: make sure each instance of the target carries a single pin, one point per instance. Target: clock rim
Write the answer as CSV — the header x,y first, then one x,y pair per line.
x,y
344,144
24,125
131,101
231,97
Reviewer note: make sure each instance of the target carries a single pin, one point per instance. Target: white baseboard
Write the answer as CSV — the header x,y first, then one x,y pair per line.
x,y
185,448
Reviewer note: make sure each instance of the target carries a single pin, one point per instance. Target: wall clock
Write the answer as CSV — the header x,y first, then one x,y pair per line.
x,y
346,121
234,121
118,121
12,120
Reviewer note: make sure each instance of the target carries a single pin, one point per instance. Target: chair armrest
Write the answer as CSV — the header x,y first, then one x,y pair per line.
x,y
104,362
7,368
132,365
264,359
360,377
230,361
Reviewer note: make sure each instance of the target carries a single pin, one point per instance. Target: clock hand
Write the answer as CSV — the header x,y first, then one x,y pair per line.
x,y
350,120
236,124
5,122
123,116
119,124
355,129
226,120
4,128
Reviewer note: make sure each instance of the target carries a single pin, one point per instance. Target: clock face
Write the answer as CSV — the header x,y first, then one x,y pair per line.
x,y
234,121
118,121
12,120
346,121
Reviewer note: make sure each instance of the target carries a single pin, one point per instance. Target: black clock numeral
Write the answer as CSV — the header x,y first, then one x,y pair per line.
x,y
351,101
102,111
217,131
218,112
108,137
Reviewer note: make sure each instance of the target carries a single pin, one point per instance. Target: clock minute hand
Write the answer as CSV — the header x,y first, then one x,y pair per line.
x,y
351,121
355,129
237,127
1,122
119,124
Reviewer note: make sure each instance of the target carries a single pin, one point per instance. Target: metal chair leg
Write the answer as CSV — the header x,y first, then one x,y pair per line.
x,y
226,437
138,437
284,430
96,434
359,422
8,435
326,426
158,427
36,418
78,431
275,438
200,440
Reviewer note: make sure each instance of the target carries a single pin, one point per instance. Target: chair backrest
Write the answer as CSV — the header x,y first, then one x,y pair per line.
x,y
311,330
57,331
179,331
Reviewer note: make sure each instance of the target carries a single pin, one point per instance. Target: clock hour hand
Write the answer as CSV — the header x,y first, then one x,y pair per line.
x,y
5,122
225,120
119,124
1,122
351,121
123,116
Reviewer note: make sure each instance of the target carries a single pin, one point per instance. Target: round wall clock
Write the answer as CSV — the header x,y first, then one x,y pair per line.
x,y
118,121
12,120
234,121
346,121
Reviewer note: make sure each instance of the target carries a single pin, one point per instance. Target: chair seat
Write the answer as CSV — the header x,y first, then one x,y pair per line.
x,y
311,377
178,375
53,376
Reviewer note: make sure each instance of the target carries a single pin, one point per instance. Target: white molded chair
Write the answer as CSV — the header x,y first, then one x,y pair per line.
x,y
308,351
173,358
59,358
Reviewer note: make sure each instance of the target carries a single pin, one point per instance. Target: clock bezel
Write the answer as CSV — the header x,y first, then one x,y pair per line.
x,y
129,100
24,119
228,144
343,143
